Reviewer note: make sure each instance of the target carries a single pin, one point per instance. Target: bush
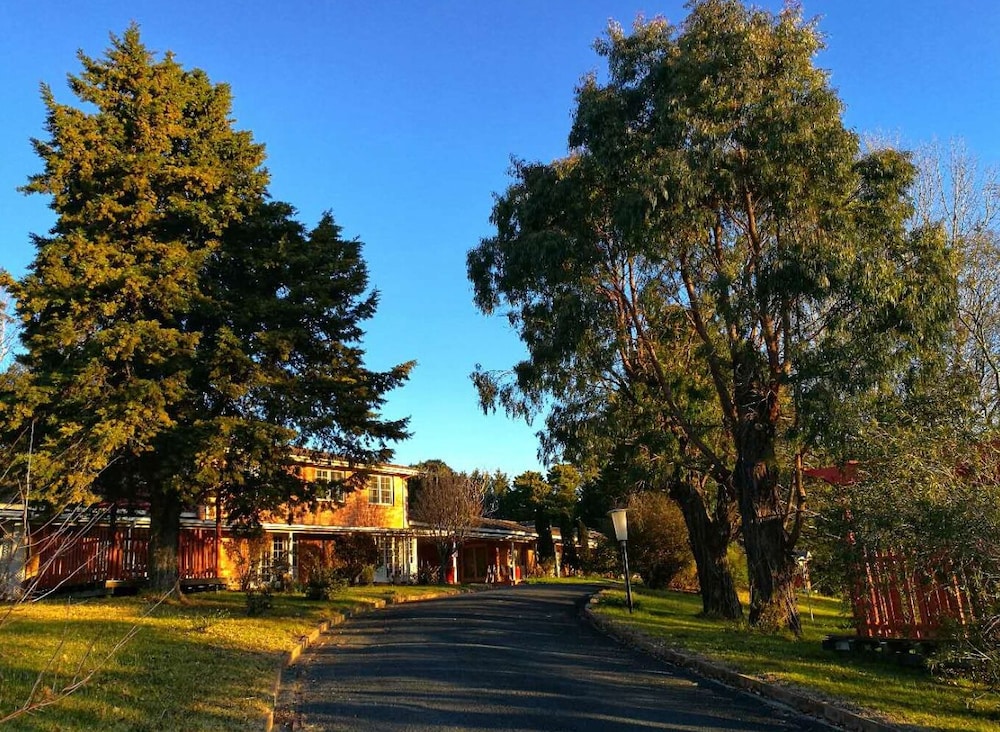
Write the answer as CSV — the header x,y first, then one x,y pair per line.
x,y
246,552
367,575
658,540
355,552
972,652
427,574
342,560
322,584
602,559
258,600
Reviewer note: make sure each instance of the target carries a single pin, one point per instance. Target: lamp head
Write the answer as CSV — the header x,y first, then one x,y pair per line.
x,y
620,521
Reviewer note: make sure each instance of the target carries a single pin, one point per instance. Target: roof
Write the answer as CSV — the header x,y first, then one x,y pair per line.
x,y
836,475
320,458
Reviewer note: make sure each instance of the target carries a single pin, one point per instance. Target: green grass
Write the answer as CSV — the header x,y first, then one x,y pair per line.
x,y
200,665
899,695
567,580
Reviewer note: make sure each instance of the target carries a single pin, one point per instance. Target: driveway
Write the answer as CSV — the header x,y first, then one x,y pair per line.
x,y
509,659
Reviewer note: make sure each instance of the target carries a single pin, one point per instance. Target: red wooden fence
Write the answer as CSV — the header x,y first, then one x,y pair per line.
x,y
894,598
66,556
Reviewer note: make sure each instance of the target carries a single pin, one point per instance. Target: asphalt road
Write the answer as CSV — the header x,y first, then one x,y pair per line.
x,y
511,659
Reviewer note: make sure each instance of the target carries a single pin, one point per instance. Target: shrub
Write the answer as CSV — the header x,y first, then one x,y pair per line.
x,y
246,552
258,600
322,584
367,575
354,552
973,652
658,540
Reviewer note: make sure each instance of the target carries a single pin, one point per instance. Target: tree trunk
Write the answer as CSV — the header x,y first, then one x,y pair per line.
x,y
709,538
543,526
164,540
770,559
444,561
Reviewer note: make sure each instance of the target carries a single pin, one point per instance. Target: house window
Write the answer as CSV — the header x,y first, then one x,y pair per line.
x,y
282,562
380,489
335,491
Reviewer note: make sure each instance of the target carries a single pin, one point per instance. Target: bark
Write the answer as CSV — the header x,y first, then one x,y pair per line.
x,y
164,540
770,559
709,537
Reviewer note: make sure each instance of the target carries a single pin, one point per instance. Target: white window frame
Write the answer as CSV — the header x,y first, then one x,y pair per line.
x,y
381,491
334,493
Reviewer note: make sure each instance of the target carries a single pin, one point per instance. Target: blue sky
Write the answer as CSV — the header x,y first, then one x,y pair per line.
x,y
401,118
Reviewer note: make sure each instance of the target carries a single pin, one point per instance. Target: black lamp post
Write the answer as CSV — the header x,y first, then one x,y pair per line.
x,y
620,521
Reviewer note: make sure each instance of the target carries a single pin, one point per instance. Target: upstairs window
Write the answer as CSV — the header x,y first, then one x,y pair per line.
x,y
336,491
380,489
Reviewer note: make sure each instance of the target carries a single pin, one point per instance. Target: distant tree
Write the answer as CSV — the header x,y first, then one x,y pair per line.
x,y
955,190
451,505
497,487
181,334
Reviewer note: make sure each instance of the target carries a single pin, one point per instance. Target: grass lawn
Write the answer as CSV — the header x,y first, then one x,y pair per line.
x,y
202,665
901,696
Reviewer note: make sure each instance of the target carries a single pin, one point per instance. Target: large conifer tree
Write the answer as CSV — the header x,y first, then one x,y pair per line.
x,y
180,333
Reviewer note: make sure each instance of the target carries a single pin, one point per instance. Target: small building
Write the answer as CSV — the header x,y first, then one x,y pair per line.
x,y
493,551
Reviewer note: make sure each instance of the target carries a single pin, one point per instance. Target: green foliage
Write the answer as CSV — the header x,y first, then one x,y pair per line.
x,y
144,178
972,652
322,584
182,333
658,540
356,557
367,575
259,600
712,266
246,554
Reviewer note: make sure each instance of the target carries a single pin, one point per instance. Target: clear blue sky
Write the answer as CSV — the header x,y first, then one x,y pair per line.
x,y
401,118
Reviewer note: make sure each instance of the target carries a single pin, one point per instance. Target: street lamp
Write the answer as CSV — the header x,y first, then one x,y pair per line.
x,y
620,521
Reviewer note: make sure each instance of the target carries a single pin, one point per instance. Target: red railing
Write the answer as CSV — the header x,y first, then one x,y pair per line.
x,y
893,598
64,556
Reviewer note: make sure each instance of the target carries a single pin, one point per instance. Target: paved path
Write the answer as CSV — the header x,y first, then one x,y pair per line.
x,y
510,659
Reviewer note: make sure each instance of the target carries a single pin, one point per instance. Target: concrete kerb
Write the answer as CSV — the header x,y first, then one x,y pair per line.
x,y
309,639
822,710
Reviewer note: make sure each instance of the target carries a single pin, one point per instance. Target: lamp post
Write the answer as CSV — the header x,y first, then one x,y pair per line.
x,y
620,521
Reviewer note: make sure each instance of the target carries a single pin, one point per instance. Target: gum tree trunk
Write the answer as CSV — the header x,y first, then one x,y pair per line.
x,y
709,536
770,558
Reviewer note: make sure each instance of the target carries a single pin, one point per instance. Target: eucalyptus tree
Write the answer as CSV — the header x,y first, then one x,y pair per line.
x,y
713,197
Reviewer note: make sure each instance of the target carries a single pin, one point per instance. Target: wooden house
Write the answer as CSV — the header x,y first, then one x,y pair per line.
x,y
105,547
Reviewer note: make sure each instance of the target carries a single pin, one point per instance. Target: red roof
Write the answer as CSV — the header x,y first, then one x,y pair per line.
x,y
835,475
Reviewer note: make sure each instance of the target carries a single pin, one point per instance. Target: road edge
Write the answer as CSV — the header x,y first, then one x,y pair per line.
x,y
824,711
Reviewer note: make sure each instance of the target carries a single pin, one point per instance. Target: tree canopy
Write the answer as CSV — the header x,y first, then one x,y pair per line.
x,y
181,332
715,214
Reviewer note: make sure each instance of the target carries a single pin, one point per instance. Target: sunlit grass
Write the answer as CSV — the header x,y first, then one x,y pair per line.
x,y
585,580
903,696
198,665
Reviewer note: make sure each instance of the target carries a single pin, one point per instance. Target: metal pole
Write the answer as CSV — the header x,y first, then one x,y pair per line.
x,y
628,580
